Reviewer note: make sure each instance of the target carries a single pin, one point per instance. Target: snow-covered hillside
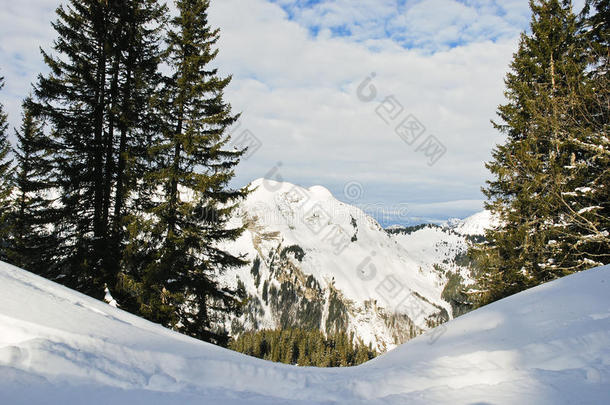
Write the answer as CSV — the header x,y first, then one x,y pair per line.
x,y
321,263
548,345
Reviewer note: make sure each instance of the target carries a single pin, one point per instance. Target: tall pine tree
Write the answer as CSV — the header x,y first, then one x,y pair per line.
x,y
95,102
189,200
543,163
32,241
6,181
525,167
73,99
586,200
133,123
126,186
582,214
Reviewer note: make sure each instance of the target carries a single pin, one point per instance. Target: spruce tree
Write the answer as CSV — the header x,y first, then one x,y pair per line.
x,y
95,102
73,100
32,242
6,182
134,122
532,167
189,201
597,32
586,199
582,214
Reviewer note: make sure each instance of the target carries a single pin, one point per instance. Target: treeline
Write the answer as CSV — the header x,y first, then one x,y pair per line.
x,y
120,175
304,347
551,177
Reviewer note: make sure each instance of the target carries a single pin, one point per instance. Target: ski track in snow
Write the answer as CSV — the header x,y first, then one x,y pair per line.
x,y
548,345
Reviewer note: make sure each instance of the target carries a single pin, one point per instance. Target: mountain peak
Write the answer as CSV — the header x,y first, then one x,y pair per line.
x,y
270,186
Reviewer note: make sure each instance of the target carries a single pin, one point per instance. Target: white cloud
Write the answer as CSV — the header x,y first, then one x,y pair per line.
x,y
298,90
427,24
24,27
298,94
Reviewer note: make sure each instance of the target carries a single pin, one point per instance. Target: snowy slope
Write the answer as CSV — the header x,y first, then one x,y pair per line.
x,y
443,250
440,246
548,345
434,246
476,225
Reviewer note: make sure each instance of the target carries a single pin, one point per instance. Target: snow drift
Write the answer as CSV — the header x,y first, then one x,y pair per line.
x,y
548,345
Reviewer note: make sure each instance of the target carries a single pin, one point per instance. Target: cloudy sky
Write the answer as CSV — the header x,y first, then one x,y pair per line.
x,y
387,103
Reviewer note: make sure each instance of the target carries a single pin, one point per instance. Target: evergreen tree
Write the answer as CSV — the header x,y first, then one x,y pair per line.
x,y
189,201
585,203
542,162
103,64
303,358
582,221
362,354
6,182
134,123
32,243
597,32
289,351
73,99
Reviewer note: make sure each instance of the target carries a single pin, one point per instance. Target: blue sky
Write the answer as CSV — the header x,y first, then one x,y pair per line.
x,y
430,25
297,66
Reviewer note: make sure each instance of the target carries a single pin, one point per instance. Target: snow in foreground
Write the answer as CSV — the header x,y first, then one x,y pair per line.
x,y
549,345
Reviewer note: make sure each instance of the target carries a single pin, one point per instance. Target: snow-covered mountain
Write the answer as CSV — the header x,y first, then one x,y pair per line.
x,y
475,225
321,263
548,345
